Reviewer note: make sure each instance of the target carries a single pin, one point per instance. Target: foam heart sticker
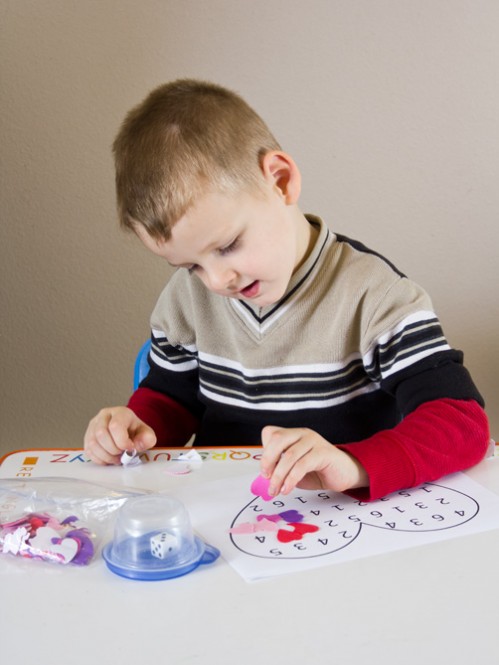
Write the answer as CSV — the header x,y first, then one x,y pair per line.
x,y
249,527
245,527
260,487
270,518
48,544
267,525
299,530
291,516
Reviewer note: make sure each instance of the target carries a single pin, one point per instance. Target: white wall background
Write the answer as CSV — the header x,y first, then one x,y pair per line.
x,y
390,107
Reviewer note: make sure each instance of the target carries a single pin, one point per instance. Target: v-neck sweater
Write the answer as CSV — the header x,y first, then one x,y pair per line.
x,y
351,349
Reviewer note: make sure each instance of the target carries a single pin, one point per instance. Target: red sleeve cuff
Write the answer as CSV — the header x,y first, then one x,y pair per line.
x,y
172,423
439,437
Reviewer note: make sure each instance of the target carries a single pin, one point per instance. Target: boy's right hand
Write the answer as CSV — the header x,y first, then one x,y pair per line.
x,y
114,430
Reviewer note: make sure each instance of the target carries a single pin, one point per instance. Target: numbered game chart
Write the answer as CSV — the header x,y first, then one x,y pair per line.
x,y
310,529
316,524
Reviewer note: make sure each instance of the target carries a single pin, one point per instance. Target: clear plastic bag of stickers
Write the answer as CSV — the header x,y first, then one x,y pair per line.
x,y
59,520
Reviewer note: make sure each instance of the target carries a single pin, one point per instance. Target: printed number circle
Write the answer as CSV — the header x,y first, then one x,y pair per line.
x,y
429,507
317,528
311,524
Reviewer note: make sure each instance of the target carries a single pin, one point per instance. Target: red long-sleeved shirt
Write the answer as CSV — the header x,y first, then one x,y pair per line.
x,y
439,437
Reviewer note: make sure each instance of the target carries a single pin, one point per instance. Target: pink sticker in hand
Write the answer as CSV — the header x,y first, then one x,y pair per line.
x,y
260,487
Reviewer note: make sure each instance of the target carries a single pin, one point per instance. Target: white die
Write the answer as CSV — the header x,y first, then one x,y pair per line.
x,y
162,544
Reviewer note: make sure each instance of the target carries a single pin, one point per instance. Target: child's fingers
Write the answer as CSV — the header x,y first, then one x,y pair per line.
x,y
282,457
114,430
100,456
107,436
291,470
119,427
144,438
98,443
272,441
300,457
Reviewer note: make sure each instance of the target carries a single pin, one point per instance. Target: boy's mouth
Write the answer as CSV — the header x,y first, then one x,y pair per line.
x,y
251,290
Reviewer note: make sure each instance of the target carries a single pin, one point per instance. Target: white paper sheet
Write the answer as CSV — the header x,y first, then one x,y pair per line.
x,y
274,540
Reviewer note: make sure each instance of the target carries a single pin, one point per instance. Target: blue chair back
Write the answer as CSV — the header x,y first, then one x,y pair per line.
x,y
141,368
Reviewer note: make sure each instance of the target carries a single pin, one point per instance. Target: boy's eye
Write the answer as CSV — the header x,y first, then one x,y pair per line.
x,y
222,251
229,248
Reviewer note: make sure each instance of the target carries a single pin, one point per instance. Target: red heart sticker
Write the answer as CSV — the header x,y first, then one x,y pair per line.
x,y
299,530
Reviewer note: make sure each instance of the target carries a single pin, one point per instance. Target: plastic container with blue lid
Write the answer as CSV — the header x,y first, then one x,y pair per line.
x,y
153,540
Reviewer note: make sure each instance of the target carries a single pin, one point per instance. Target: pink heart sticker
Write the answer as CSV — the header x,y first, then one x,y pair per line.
x,y
260,487
267,525
245,527
270,518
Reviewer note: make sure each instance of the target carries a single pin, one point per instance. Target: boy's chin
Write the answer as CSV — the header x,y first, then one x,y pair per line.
x,y
264,300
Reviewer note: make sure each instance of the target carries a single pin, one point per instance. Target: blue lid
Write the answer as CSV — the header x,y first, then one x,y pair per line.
x,y
132,558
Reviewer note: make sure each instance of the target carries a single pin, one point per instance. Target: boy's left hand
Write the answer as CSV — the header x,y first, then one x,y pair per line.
x,y
299,457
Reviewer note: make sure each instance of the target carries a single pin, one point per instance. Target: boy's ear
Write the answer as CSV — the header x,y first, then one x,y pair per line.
x,y
281,171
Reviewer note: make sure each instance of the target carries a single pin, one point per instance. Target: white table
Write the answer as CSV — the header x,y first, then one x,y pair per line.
x,y
431,604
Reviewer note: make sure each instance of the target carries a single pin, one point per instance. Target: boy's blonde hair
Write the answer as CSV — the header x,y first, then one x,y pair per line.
x,y
187,138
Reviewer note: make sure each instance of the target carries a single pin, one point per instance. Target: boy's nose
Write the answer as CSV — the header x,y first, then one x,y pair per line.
x,y
222,280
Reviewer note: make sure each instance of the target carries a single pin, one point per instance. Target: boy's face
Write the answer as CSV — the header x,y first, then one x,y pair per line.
x,y
245,246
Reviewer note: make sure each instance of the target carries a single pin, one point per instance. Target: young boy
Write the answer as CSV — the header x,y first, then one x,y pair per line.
x,y
274,330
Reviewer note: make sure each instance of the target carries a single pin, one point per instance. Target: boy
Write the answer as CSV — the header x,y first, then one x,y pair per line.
x,y
274,330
